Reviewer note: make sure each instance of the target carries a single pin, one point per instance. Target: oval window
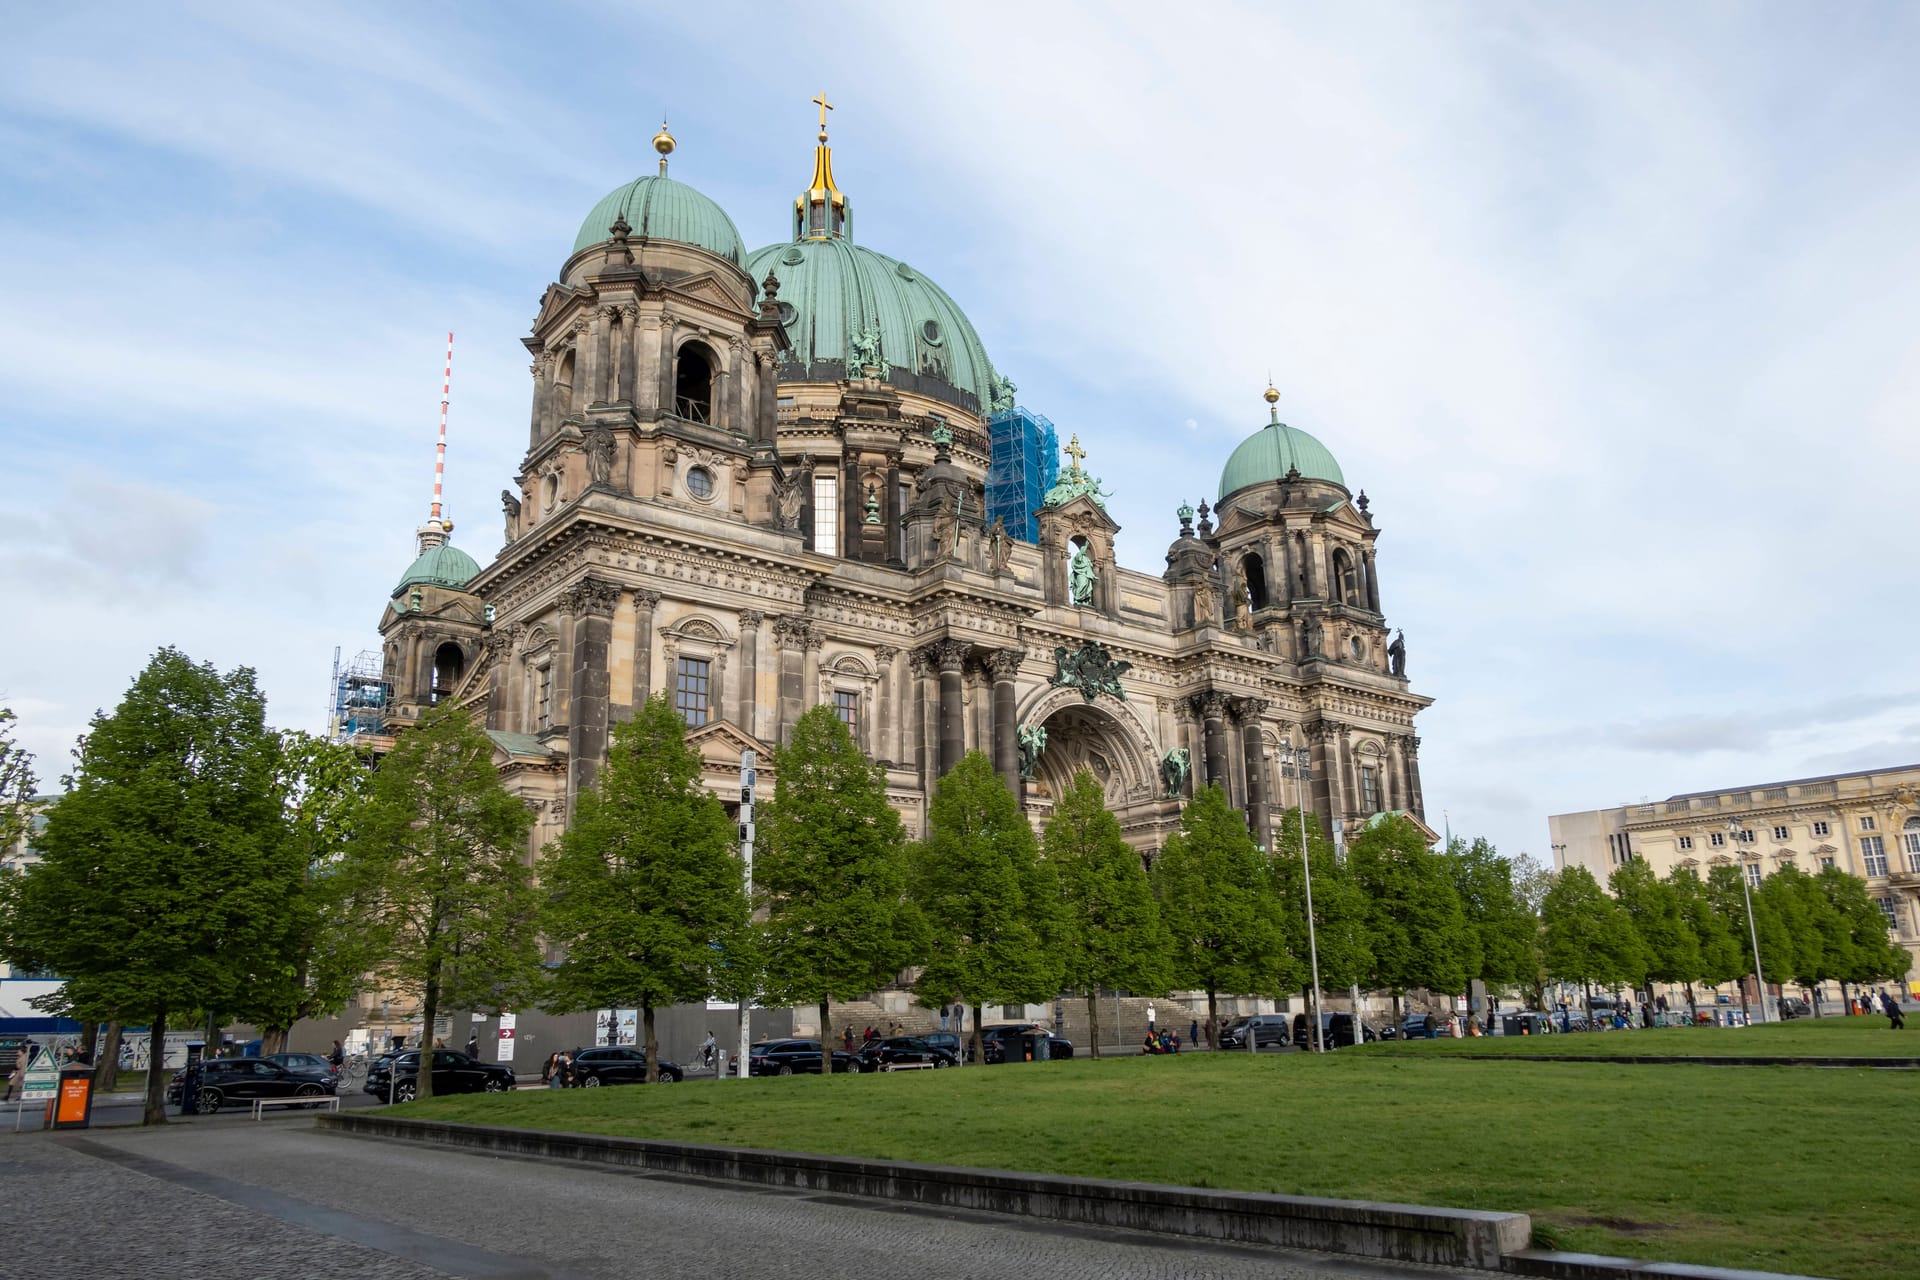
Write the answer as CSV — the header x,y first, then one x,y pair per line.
x,y
788,313
931,332
793,257
700,482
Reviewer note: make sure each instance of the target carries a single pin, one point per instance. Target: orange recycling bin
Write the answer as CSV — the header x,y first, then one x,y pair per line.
x,y
73,1107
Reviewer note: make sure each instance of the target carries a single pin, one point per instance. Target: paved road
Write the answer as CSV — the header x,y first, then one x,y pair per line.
x,y
233,1202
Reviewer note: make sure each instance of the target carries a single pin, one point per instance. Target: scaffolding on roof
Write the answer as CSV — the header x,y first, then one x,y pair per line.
x,y
1023,462
358,705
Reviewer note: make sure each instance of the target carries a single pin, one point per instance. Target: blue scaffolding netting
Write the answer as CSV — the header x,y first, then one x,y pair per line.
x,y
1023,463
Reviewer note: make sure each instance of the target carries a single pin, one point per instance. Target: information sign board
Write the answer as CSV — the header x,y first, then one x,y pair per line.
x,y
42,1079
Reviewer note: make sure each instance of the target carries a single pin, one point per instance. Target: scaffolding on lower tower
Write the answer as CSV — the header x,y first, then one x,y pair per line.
x,y
1023,463
357,707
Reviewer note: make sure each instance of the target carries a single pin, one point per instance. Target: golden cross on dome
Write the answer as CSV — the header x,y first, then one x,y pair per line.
x,y
1074,451
820,100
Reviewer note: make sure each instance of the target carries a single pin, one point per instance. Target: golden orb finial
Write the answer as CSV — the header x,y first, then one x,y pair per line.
x,y
1271,396
663,141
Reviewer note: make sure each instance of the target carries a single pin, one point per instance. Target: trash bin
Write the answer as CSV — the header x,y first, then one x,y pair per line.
x,y
73,1106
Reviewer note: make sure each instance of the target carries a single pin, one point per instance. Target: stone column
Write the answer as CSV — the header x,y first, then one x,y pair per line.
x,y
729,401
920,667
1212,710
811,669
591,603
1004,665
626,354
646,366
1415,801
586,365
791,632
663,366
1350,773
644,603
1373,583
537,428
885,720
747,696
1246,713
951,656
1321,735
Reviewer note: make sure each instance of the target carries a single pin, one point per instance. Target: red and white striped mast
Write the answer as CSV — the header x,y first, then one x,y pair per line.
x,y
436,529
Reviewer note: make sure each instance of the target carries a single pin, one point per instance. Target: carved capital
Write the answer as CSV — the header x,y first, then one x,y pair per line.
x,y
920,662
815,640
791,631
594,597
885,653
950,655
646,601
751,618
1210,706
581,324
1247,710
1004,664
629,312
1322,732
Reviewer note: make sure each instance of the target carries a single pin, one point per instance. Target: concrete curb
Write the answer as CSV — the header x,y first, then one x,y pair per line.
x,y
1401,1232
1593,1266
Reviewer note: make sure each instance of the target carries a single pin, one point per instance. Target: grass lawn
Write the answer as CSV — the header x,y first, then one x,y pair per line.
x,y
1775,1168
1856,1037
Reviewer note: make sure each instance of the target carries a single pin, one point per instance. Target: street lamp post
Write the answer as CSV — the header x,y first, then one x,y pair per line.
x,y
1734,830
1300,765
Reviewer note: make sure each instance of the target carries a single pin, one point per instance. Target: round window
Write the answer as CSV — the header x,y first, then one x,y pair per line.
x,y
700,482
931,332
1357,648
902,270
788,313
793,257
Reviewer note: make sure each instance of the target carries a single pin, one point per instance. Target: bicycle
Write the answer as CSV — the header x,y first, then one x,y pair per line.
x,y
354,1068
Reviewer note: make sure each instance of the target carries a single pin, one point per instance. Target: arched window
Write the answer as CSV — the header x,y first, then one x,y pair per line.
x,y
693,384
1300,560
448,663
563,389
1346,581
1255,570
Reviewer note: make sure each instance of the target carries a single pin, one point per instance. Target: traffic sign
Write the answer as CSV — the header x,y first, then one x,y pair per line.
x,y
42,1080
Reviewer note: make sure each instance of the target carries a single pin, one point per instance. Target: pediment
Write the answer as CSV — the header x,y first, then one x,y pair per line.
x,y
708,288
1237,518
1081,515
556,300
722,741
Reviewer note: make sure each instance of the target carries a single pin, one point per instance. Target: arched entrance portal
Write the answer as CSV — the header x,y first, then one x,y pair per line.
x,y
1111,743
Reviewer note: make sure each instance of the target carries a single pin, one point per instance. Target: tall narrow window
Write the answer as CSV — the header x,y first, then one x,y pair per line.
x,y
1256,572
448,663
1874,850
693,385
1753,874
691,688
1910,842
1890,911
542,709
1369,789
901,496
826,514
846,705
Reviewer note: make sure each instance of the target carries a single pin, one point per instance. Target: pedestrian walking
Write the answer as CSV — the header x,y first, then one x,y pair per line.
x,y
1193,1032
473,1045
1896,1020
943,1017
1430,1026
16,1078
846,1038
1150,1016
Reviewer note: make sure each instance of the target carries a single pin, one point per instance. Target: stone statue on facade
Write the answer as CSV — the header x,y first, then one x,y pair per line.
x,y
600,454
1090,669
999,547
786,504
1003,393
866,350
1310,638
1033,741
1080,577
1205,606
1175,767
511,505
946,529
1397,654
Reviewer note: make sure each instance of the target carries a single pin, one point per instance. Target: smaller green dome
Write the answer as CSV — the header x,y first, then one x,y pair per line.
x,y
443,566
658,208
1269,453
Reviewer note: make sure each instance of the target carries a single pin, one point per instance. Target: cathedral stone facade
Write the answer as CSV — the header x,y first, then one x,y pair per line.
x,y
755,481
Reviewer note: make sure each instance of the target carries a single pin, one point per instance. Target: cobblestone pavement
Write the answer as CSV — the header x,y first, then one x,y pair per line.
x,y
283,1199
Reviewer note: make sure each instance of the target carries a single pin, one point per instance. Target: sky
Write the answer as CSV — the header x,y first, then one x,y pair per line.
x,y
1611,309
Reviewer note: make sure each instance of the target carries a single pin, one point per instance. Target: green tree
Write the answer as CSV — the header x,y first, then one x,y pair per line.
x,y
164,870
323,787
991,905
1722,958
1589,937
1418,928
17,785
832,875
439,862
645,894
1870,955
1727,891
1340,909
1501,928
1795,904
1111,933
1216,897
1659,918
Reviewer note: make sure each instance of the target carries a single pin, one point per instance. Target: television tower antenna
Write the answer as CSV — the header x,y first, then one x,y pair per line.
x,y
440,450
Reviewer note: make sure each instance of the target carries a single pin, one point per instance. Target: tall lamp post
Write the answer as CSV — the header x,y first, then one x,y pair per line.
x,y
1300,765
1734,831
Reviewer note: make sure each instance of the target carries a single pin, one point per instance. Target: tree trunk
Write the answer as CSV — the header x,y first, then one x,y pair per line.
x,y
1744,1011
1693,1006
653,1047
1093,1021
979,1047
108,1062
274,1040
1213,1020
89,1040
157,1073
429,1009
826,1040
211,1036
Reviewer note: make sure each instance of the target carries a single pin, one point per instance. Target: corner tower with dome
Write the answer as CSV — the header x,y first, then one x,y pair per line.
x,y
756,481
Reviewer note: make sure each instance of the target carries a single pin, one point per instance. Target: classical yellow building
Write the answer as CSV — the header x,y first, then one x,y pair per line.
x,y
1866,823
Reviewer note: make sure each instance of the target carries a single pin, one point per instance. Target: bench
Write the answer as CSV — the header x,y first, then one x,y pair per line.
x,y
907,1066
329,1103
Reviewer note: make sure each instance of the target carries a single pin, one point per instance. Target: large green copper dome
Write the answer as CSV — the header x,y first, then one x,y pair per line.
x,y
1269,453
834,293
443,566
658,208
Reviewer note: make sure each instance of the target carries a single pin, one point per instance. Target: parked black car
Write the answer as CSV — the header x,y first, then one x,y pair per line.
x,y
453,1072
619,1065
795,1057
308,1064
1794,1007
1269,1030
1336,1030
944,1040
903,1051
1023,1042
238,1081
